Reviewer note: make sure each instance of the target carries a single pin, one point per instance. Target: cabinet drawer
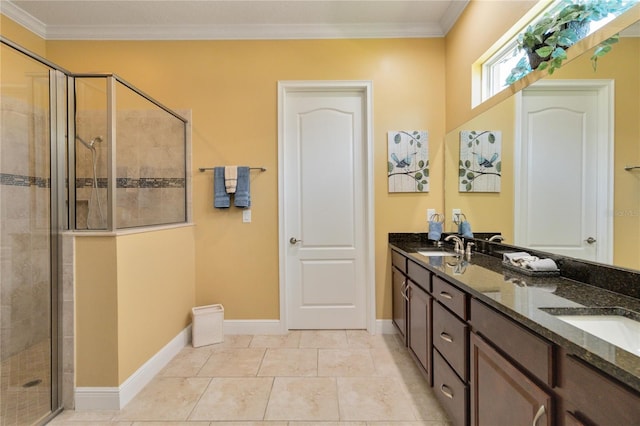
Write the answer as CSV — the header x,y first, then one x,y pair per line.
x,y
450,337
450,296
529,350
590,396
419,275
452,393
399,261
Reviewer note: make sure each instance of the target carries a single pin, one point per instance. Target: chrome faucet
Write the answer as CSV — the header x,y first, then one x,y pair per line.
x,y
497,238
459,243
468,251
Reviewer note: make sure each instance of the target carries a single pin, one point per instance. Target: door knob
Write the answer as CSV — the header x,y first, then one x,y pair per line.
x,y
590,240
293,240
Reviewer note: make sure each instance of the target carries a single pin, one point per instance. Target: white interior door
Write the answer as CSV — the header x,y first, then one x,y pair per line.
x,y
324,225
562,196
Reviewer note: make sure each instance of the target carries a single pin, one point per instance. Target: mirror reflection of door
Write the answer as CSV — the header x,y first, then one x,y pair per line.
x,y
564,178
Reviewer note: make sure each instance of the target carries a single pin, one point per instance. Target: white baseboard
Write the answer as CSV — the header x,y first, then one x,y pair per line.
x,y
385,327
115,398
275,327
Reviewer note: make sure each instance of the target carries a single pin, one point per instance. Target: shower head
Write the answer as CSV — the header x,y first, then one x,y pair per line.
x,y
90,144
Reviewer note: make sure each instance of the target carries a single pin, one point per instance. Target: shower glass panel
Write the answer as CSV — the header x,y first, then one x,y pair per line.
x,y
150,162
91,154
130,157
27,332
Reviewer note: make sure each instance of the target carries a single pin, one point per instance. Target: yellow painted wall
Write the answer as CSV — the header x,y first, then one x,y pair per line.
x,y
487,212
96,312
480,25
156,291
230,86
15,32
134,293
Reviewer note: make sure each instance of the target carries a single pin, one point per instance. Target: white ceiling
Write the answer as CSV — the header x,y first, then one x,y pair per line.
x,y
233,19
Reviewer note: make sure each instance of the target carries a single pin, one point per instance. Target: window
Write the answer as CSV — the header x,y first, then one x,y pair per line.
x,y
496,71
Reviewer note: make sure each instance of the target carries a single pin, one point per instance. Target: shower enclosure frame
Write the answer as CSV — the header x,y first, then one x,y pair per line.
x,y
112,79
58,213
62,196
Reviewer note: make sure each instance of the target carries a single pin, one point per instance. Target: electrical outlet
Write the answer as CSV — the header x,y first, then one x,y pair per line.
x,y
455,215
430,213
246,216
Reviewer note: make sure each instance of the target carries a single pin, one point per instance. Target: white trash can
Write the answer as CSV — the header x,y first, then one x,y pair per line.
x,y
207,323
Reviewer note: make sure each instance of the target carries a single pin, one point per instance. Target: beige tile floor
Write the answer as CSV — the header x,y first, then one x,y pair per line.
x,y
303,378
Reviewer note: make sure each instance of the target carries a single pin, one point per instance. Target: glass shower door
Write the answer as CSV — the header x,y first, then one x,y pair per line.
x,y
27,284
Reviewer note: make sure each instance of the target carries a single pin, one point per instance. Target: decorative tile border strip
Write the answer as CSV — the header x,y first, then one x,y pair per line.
x,y
134,182
9,179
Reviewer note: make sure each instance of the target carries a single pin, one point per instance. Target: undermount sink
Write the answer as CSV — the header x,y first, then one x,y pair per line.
x,y
436,253
614,325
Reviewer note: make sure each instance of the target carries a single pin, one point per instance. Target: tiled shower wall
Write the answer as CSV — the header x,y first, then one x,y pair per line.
x,y
150,169
25,229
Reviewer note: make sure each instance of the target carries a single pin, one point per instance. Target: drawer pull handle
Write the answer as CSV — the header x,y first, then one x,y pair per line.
x,y
444,336
405,290
446,295
447,392
539,414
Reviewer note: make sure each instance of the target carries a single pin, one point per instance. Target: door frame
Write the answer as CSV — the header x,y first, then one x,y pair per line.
x,y
365,87
605,152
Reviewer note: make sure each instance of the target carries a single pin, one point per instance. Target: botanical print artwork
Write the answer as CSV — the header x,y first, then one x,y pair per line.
x,y
480,161
408,162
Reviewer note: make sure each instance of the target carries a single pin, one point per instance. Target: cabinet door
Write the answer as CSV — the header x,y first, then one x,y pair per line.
x,y
501,394
592,398
399,282
419,320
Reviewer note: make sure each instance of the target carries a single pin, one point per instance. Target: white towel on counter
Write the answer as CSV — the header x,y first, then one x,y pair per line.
x,y
514,256
542,265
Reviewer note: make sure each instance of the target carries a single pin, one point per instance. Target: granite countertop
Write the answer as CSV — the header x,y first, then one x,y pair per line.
x,y
523,298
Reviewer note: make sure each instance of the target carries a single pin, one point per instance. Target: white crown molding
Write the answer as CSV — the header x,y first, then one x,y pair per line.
x,y
18,15
241,32
452,14
234,31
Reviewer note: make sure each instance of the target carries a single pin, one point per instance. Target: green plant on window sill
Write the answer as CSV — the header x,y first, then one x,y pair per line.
x,y
545,42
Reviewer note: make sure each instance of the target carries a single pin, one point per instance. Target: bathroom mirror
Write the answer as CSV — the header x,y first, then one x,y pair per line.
x,y
504,210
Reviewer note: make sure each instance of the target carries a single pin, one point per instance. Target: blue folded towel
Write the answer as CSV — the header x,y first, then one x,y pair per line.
x,y
221,199
464,229
435,230
242,197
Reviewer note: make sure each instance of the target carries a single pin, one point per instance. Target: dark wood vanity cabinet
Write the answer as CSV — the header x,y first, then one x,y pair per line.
x,y
419,315
451,391
512,371
451,350
591,398
419,318
398,293
501,394
487,369
399,283
412,308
